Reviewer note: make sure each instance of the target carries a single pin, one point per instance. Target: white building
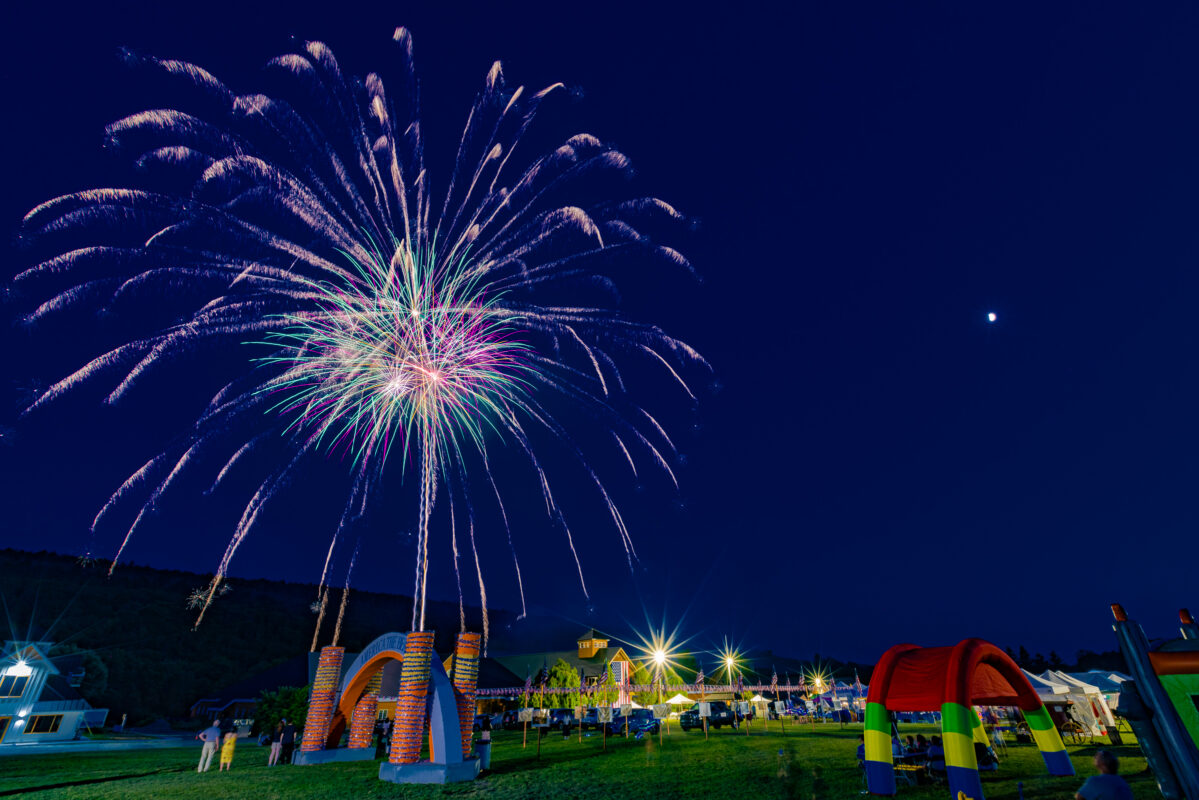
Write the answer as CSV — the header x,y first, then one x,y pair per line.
x,y
38,703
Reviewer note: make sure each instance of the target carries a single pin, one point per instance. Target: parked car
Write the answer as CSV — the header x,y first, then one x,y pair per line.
x,y
511,721
494,721
641,720
590,721
562,717
721,715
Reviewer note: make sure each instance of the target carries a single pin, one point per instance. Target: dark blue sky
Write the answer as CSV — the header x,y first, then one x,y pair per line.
x,y
878,464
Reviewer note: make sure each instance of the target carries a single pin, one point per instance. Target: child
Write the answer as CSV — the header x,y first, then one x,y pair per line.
x,y
276,745
227,750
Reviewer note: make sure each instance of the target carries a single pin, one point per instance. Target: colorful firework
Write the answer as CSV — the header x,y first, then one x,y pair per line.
x,y
305,219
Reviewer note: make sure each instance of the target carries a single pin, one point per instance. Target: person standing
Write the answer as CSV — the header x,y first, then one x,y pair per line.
x,y
227,750
1107,785
287,740
210,736
483,747
276,745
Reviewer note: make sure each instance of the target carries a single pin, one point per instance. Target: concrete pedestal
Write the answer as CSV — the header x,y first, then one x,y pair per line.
x,y
337,754
425,772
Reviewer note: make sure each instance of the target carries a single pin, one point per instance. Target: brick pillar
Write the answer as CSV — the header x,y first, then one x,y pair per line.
x,y
466,684
409,727
322,699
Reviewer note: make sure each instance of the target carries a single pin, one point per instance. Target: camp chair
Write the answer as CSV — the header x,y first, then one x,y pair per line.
x,y
907,773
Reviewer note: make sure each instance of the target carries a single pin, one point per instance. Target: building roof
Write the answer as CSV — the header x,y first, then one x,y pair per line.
x,y
592,634
33,653
531,663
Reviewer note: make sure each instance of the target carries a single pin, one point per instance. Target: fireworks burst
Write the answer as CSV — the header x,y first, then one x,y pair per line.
x,y
400,327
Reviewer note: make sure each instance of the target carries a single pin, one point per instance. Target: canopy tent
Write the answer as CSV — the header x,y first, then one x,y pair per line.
x,y
679,700
1109,683
1090,706
1047,689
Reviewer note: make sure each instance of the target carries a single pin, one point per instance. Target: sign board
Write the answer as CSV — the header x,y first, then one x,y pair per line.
x,y
661,711
626,709
604,714
524,715
780,707
578,712
705,709
743,706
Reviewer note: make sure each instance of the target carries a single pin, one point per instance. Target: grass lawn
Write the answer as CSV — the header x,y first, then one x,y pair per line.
x,y
802,764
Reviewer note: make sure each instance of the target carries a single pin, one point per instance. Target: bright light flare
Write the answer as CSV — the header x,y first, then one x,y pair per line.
x,y
731,662
992,316
819,679
661,652
21,669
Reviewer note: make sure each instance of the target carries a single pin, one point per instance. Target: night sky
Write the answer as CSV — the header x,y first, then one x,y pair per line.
x,y
873,462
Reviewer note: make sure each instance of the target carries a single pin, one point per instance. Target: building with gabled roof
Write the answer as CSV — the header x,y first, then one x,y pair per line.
x,y
593,658
38,701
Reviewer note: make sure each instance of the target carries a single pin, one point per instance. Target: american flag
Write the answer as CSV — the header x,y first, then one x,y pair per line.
x,y
857,684
528,683
699,676
774,680
803,683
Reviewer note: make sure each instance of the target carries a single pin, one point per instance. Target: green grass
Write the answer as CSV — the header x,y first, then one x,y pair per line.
x,y
818,765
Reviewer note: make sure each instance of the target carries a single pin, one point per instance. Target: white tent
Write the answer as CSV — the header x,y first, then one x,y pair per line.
x,y
1047,689
680,699
1110,683
1090,706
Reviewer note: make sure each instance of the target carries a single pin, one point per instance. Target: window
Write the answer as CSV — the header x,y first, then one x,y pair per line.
x,y
3,726
44,723
13,685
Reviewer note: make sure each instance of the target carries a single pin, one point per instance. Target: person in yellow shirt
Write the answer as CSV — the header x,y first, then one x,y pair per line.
x,y
227,750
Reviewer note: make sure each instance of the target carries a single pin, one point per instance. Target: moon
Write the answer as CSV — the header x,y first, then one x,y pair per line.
x,y
992,316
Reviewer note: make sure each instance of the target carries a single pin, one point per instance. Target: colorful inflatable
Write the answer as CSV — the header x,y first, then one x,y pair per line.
x,y
952,680
429,700
1161,702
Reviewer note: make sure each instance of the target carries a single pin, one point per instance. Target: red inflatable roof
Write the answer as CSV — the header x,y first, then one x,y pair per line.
x,y
972,673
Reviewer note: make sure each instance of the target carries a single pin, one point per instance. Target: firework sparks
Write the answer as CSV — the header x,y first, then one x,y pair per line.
x,y
305,222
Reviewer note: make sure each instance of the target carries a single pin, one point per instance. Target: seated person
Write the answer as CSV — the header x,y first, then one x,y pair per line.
x,y
909,744
1107,785
896,746
862,748
987,762
936,755
921,744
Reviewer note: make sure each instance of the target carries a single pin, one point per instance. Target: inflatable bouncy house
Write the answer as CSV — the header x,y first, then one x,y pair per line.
x,y
1161,703
429,701
952,680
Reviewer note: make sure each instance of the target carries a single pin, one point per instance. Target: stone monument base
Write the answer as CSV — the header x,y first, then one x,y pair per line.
x,y
426,772
336,754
